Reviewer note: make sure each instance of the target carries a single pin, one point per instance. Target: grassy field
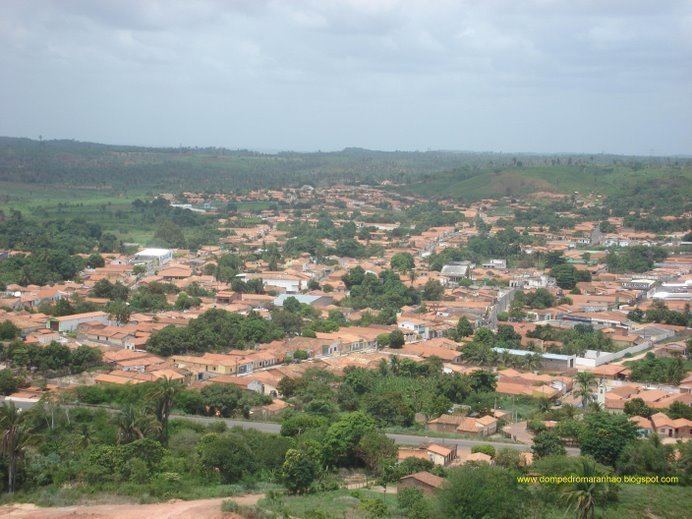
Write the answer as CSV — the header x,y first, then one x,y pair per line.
x,y
112,212
27,197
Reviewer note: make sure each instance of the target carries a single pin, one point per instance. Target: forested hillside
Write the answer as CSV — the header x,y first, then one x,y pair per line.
x,y
78,164
124,170
624,176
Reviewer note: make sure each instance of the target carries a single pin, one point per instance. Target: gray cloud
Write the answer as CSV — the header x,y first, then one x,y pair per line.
x,y
544,75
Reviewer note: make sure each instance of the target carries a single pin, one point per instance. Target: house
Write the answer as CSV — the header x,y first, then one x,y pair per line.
x,y
175,272
615,398
483,426
478,457
644,425
455,272
666,427
422,328
281,281
671,350
538,281
351,339
267,411
424,481
441,455
44,336
612,371
69,323
209,363
226,297
446,423
500,264
262,382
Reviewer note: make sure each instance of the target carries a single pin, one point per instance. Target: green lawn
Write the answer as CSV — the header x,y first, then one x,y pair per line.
x,y
113,212
25,197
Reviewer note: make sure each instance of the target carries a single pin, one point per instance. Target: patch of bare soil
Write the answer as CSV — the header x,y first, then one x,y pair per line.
x,y
198,509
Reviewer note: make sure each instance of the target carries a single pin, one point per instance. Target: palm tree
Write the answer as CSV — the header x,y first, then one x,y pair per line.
x,y
84,436
14,437
586,380
394,364
532,361
505,359
383,367
162,396
583,496
133,424
569,411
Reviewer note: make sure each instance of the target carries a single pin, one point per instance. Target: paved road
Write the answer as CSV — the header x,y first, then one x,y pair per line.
x,y
401,439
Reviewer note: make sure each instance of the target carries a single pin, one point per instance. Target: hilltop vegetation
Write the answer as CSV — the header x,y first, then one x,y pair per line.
x,y
634,179
138,169
86,170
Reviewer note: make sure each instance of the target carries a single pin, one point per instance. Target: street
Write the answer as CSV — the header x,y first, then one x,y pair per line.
x,y
401,439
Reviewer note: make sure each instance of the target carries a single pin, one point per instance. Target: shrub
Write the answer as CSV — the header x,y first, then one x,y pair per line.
x,y
485,449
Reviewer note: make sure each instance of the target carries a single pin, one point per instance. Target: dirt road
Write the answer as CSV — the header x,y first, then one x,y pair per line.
x,y
202,509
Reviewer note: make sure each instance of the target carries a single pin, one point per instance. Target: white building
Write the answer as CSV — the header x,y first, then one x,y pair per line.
x,y
639,284
69,323
541,281
500,264
154,257
455,272
281,281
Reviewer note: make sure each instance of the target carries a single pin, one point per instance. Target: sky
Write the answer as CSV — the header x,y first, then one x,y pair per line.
x,y
585,76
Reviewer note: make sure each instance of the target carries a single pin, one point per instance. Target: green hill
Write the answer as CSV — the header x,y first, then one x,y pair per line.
x,y
135,169
69,170
465,184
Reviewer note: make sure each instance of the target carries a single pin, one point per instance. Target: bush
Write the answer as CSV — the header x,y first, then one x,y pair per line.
x,y
509,459
485,449
547,443
228,506
396,339
374,508
413,503
482,491
226,455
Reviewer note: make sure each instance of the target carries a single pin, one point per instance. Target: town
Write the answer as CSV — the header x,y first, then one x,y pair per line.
x,y
345,259
433,335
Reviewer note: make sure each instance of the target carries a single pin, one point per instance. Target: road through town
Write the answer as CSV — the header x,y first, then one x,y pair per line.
x,y
399,438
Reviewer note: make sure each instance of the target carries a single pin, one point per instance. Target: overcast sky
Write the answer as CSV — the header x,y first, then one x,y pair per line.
x,y
544,75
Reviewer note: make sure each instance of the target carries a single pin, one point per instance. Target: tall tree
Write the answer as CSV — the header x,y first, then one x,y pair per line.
x,y
162,396
586,381
133,424
584,495
15,434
